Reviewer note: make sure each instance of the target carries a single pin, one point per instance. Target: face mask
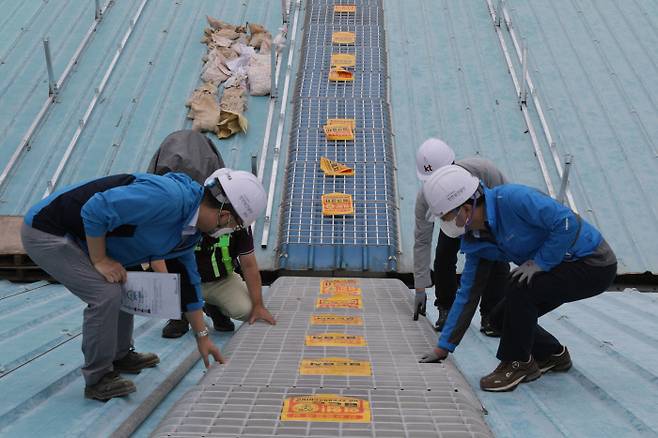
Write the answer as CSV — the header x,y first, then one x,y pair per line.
x,y
220,232
451,229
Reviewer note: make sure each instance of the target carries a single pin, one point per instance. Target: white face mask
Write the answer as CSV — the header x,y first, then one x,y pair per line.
x,y
220,232
451,229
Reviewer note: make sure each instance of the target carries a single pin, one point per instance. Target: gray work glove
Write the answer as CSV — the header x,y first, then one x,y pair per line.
x,y
419,304
436,355
525,272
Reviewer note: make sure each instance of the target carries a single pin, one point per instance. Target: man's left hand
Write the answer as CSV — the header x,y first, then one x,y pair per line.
x,y
260,312
434,356
525,272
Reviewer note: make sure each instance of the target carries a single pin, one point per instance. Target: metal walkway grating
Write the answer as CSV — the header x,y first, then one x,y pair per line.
x,y
244,398
368,239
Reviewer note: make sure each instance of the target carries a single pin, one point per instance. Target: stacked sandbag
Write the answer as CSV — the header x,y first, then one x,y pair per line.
x,y
204,109
259,69
232,107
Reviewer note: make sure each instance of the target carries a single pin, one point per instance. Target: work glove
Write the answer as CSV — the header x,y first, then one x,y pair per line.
x,y
420,302
436,355
525,272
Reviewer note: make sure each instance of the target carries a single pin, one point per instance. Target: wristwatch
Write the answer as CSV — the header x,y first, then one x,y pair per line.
x,y
202,333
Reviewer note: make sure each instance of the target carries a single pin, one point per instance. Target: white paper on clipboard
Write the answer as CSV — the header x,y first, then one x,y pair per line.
x,y
152,294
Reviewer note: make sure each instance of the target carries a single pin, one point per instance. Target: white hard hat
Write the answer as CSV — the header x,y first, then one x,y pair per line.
x,y
448,188
432,155
243,191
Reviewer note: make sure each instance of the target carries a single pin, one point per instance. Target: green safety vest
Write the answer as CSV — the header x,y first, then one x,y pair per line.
x,y
222,244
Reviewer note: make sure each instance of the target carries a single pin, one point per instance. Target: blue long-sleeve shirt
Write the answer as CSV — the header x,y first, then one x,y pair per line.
x,y
142,217
525,224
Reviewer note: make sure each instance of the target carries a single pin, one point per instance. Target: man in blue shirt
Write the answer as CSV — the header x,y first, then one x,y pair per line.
x,y
85,236
560,257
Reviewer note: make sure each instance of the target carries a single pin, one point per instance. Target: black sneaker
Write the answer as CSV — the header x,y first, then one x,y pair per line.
x,y
220,322
443,316
134,362
556,362
109,386
175,328
488,329
508,374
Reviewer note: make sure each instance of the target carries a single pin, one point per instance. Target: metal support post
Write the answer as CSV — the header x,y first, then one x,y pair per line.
x,y
97,13
52,83
568,160
273,85
523,95
284,11
499,13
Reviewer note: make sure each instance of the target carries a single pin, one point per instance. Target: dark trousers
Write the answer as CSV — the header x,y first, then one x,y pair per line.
x,y
568,281
445,277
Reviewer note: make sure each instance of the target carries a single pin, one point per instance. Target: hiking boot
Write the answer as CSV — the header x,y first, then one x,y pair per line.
x,y
556,362
109,386
443,316
488,329
220,322
134,362
175,328
509,373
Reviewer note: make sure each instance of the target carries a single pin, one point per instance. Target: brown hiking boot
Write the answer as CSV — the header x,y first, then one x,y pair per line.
x,y
508,374
556,362
175,328
109,386
220,321
133,362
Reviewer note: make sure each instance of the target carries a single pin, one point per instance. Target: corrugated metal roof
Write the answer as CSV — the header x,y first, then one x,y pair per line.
x,y
592,65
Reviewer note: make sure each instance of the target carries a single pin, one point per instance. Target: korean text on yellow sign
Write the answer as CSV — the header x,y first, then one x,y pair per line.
x,y
326,407
340,287
335,366
333,319
335,340
334,168
337,204
339,302
344,9
347,38
343,60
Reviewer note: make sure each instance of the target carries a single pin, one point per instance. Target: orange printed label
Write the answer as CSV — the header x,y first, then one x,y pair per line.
x,y
335,340
343,38
339,74
350,122
333,319
344,9
334,168
336,204
339,302
343,60
326,407
335,366
340,287
338,132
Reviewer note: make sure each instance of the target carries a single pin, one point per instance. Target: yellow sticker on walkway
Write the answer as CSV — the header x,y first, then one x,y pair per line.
x,y
339,302
343,38
343,60
333,319
338,132
350,122
344,9
335,366
336,204
340,74
346,286
335,340
326,407
334,168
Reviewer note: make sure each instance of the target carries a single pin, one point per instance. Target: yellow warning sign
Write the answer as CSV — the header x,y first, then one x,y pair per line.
x,y
343,38
350,122
336,204
339,287
338,132
334,168
344,9
339,302
335,366
335,340
343,60
326,407
340,74
333,319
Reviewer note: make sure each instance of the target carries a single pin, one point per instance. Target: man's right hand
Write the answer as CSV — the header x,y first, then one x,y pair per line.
x,y
112,270
207,348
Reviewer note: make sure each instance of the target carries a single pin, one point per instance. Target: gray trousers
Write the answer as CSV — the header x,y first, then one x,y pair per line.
x,y
106,330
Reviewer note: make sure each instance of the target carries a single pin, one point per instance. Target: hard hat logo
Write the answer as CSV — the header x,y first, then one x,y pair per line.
x,y
432,155
448,188
428,168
